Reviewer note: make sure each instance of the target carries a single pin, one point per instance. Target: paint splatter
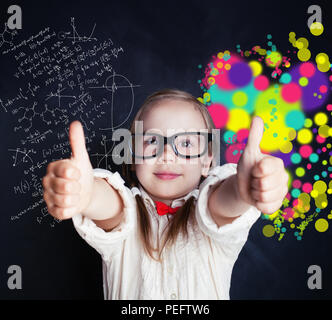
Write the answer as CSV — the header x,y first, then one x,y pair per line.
x,y
290,92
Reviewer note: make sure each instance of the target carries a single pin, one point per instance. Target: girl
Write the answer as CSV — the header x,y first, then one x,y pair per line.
x,y
177,230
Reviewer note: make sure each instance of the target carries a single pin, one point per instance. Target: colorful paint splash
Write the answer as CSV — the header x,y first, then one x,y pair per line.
x,y
290,93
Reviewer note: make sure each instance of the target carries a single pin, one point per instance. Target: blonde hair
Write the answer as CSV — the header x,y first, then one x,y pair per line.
x,y
186,212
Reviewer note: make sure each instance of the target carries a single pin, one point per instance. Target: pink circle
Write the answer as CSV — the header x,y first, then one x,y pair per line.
x,y
291,92
309,166
307,187
242,134
330,78
323,89
329,107
297,184
324,149
305,151
289,213
288,196
222,79
233,152
320,139
261,83
307,69
295,202
219,114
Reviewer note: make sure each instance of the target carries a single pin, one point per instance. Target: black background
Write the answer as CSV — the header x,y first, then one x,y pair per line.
x,y
164,42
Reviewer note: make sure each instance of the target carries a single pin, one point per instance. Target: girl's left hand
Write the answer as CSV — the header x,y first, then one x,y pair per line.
x,y
262,180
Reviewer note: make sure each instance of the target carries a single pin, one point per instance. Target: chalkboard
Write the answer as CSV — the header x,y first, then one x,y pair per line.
x,y
96,61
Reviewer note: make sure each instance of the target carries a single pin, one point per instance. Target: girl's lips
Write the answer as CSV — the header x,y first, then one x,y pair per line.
x,y
166,176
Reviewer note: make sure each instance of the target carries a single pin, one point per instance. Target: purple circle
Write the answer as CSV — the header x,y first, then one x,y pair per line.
x,y
309,101
240,74
286,157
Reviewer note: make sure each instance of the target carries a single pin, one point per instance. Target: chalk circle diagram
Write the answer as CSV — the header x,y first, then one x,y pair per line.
x,y
122,98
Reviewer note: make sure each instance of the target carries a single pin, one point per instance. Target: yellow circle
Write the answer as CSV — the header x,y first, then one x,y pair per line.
x,y
304,136
302,43
316,28
227,66
322,58
321,225
320,186
314,193
292,35
286,147
206,96
256,68
320,118
238,119
304,54
291,134
323,131
268,230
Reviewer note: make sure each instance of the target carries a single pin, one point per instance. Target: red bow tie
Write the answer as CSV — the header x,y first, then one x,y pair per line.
x,y
163,208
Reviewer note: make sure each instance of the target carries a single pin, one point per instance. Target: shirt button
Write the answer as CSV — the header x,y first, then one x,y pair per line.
x,y
170,269
173,296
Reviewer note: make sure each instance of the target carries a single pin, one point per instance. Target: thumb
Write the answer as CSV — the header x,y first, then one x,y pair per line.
x,y
255,135
77,141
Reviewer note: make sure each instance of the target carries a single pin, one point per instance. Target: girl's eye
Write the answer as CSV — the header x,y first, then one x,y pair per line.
x,y
186,143
150,140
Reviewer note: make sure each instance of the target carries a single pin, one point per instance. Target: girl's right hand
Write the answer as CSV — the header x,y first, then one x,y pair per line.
x,y
68,183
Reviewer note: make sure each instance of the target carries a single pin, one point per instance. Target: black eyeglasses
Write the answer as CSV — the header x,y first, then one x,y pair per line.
x,y
185,144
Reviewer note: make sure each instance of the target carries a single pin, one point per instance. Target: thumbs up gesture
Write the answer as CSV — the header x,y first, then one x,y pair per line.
x,y
68,183
261,179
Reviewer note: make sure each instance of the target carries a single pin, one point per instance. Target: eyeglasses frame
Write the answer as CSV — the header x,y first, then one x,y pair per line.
x,y
170,140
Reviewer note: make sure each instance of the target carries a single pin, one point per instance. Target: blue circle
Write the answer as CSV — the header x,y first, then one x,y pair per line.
x,y
285,78
295,193
296,158
313,157
295,119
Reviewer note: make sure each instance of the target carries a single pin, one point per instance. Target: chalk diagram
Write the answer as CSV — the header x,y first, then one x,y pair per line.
x,y
21,156
7,36
74,36
112,84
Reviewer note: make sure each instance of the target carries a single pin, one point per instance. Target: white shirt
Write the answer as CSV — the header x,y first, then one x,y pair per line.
x,y
199,268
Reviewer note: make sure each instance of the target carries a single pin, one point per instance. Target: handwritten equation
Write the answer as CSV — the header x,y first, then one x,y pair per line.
x,y
60,76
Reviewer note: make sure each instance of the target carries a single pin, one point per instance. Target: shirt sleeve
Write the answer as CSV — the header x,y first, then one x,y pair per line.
x,y
109,243
230,237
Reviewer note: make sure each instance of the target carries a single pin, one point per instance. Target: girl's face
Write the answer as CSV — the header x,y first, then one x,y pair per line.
x,y
167,118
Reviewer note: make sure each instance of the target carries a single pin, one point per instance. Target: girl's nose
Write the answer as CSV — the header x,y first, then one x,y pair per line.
x,y
168,154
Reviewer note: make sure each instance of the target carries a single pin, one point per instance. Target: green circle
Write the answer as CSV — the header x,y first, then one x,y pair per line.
x,y
303,81
300,172
240,98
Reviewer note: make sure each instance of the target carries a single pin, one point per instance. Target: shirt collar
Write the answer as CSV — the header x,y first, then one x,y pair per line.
x,y
175,203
